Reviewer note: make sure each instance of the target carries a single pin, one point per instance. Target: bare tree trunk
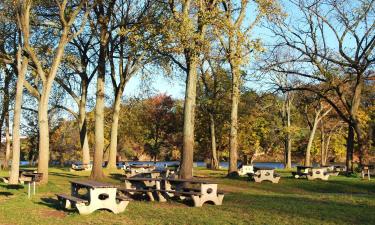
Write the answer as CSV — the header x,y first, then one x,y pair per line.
x,y
114,128
287,139
43,159
214,160
83,126
311,139
7,142
350,149
21,70
186,170
233,151
323,159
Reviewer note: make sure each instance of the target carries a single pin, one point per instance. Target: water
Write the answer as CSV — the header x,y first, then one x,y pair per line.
x,y
224,165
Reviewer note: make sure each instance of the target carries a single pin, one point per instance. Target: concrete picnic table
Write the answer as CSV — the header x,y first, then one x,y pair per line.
x,y
207,190
164,188
143,185
318,173
368,170
99,195
301,171
265,174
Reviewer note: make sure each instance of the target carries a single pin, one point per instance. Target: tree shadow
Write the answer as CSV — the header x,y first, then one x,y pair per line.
x,y
64,175
6,193
117,176
12,186
51,203
328,210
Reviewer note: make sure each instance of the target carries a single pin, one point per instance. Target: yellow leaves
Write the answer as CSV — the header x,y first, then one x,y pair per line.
x,y
269,8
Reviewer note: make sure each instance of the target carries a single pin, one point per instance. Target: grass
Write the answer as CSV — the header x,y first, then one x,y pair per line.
x,y
341,200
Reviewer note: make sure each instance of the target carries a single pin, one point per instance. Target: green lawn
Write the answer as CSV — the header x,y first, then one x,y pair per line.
x,y
341,200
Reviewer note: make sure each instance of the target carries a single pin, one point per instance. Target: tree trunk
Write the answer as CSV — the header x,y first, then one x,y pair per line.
x,y
21,70
214,160
186,170
323,158
7,142
6,99
288,140
350,149
97,170
43,159
311,139
233,154
114,128
83,126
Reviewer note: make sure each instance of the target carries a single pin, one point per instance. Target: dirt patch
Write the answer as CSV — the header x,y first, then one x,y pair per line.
x,y
48,213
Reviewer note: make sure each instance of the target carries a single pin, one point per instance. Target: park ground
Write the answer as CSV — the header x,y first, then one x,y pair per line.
x,y
341,200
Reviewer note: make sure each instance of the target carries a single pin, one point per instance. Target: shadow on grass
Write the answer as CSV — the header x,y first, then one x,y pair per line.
x,y
64,175
333,211
12,186
117,176
5,193
51,203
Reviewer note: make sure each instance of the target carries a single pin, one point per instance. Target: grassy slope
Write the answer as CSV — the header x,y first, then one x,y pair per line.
x,y
341,200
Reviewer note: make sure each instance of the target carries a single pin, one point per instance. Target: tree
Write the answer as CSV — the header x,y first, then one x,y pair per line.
x,y
233,33
80,58
341,64
160,122
213,87
320,110
182,29
46,70
103,12
130,50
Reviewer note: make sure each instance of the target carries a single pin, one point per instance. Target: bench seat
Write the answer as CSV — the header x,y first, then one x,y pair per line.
x,y
71,198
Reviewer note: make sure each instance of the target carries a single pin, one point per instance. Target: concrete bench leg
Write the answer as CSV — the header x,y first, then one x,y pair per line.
x,y
65,203
161,198
150,196
200,200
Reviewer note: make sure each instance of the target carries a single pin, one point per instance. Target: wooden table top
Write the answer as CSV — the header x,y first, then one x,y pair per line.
x,y
193,181
263,168
92,184
143,179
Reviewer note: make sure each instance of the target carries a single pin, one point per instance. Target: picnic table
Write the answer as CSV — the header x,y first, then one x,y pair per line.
x,y
31,178
98,195
302,171
245,170
318,173
144,186
134,170
265,174
368,170
200,191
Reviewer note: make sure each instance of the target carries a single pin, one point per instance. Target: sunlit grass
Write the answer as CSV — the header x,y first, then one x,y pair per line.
x,y
341,200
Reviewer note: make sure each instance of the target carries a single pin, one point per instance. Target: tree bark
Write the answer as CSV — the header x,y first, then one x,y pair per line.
x,y
7,142
350,149
233,142
323,159
287,139
83,125
21,70
97,170
114,128
311,139
186,170
214,160
43,159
